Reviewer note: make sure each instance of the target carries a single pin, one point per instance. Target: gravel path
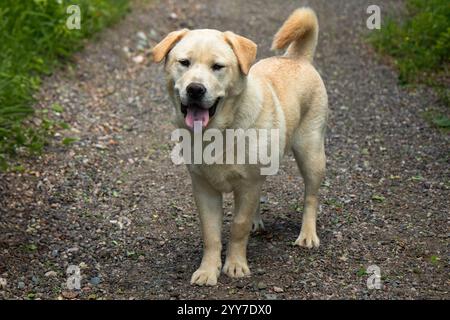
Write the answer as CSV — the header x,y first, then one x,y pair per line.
x,y
116,206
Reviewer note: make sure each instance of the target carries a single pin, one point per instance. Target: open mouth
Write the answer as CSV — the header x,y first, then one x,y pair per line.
x,y
195,113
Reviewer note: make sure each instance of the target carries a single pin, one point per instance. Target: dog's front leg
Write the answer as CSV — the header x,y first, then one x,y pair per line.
x,y
209,204
246,203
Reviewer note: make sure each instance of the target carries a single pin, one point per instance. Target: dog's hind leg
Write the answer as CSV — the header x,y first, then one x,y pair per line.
x,y
258,224
309,152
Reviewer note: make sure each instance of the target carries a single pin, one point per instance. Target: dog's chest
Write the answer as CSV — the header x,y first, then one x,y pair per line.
x,y
223,178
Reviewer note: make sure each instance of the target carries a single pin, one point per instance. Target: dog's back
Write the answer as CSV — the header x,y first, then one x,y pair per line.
x,y
296,83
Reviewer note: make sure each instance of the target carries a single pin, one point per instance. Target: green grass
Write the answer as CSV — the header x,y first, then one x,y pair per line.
x,y
34,40
361,272
419,44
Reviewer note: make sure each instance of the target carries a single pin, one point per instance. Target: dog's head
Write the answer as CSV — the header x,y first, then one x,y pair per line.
x,y
205,68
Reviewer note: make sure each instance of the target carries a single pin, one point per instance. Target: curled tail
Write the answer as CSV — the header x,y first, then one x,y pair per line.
x,y
299,34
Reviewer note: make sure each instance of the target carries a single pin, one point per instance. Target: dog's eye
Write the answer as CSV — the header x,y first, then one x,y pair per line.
x,y
217,67
185,62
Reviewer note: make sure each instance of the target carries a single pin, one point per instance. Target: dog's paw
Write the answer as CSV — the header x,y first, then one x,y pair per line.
x,y
204,276
308,239
258,225
236,269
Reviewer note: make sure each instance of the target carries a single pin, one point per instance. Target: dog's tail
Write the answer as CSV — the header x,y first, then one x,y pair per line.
x,y
300,32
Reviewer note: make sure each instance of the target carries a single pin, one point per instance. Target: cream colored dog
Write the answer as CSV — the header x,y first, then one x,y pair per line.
x,y
211,79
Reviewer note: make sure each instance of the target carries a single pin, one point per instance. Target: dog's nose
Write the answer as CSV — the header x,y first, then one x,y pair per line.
x,y
196,90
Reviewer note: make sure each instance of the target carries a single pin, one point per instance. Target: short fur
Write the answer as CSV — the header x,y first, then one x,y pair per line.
x,y
284,93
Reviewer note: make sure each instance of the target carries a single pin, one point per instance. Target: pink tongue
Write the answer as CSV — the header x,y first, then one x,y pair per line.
x,y
196,114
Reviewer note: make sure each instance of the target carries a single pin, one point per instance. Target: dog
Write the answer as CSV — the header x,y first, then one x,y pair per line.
x,y
212,80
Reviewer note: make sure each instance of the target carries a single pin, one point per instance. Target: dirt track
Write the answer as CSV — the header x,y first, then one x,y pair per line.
x,y
384,202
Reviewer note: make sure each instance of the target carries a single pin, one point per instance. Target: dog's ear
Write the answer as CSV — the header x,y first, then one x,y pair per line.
x,y
244,49
162,49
